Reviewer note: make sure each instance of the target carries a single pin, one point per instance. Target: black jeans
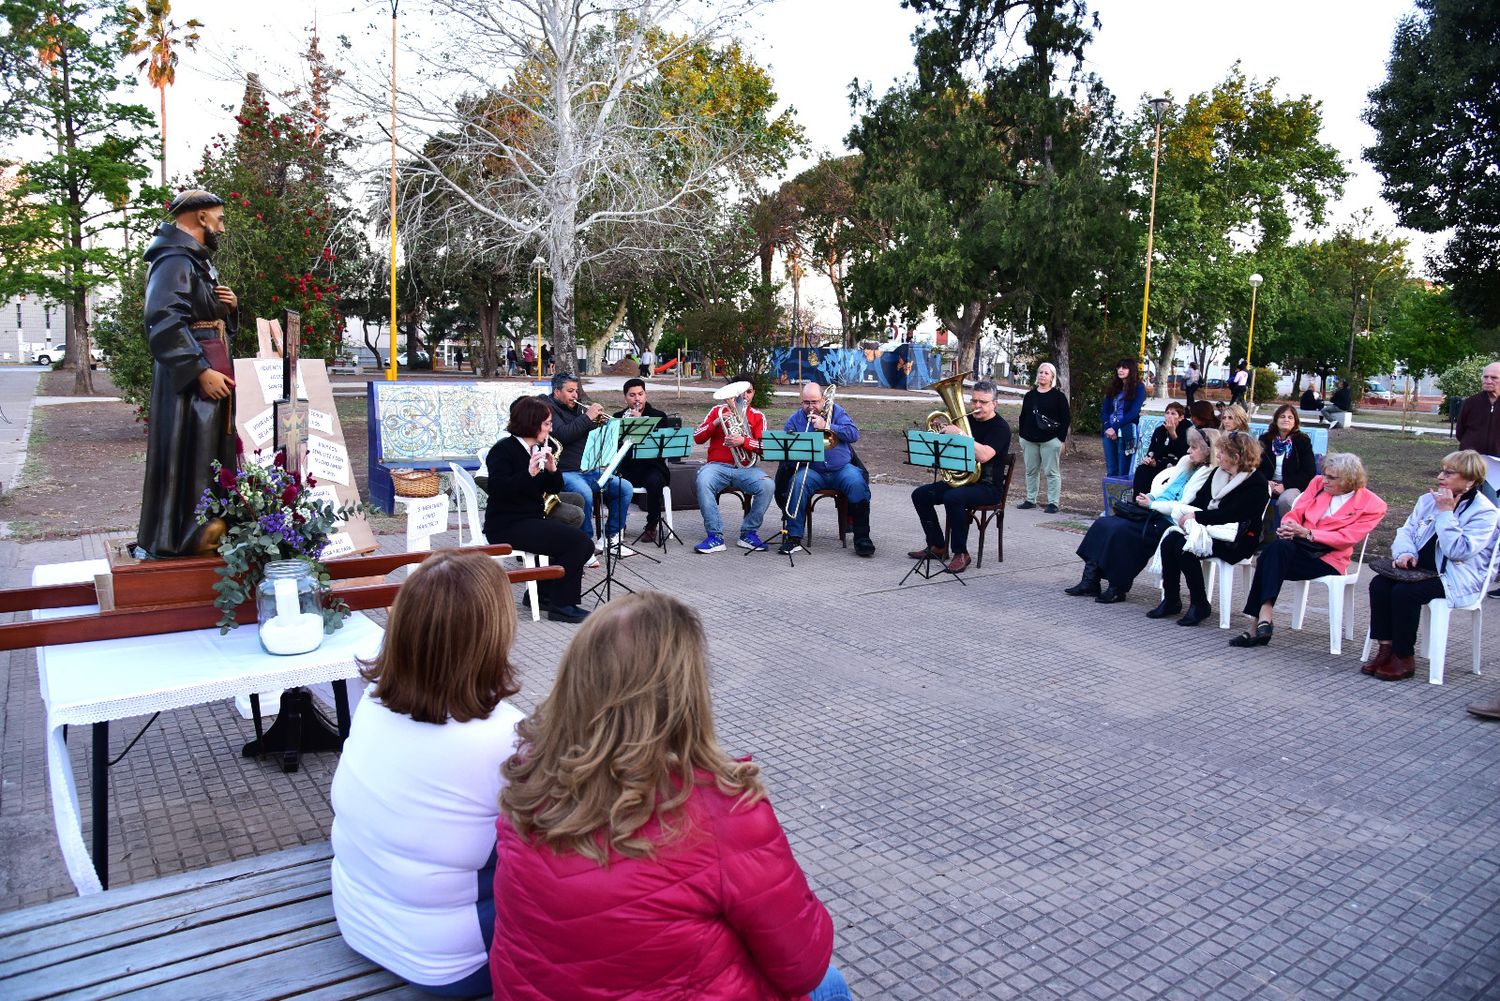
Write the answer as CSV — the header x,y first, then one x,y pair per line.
x,y
563,545
651,477
1396,610
1279,562
1177,563
956,501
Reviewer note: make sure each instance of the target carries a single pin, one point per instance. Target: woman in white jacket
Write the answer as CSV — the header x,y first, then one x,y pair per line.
x,y
1451,534
1116,549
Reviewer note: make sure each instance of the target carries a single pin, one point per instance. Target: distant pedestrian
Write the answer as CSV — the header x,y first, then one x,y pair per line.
x,y
1238,384
510,361
528,355
1045,419
1191,383
648,363
1339,405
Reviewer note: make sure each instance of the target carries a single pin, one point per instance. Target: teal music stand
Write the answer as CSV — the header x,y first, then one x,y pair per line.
x,y
950,453
800,447
666,443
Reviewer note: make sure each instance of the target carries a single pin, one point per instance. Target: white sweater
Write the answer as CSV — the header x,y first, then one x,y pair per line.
x,y
414,808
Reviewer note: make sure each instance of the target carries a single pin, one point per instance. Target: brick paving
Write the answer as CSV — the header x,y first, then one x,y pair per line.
x,y
998,791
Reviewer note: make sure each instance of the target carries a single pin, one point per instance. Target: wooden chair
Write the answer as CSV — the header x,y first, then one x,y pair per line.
x,y
984,515
841,503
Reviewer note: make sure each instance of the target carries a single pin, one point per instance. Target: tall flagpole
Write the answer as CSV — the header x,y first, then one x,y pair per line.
x,y
1158,105
390,371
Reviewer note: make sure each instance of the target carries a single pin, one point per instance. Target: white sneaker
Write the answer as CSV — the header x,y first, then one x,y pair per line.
x,y
621,550
599,545
592,564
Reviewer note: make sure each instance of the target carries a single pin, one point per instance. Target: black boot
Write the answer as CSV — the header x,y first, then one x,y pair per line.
x,y
1168,606
1198,607
1088,584
1112,595
859,513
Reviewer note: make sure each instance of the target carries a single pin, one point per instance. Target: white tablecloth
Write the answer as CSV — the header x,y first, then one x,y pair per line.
x,y
115,679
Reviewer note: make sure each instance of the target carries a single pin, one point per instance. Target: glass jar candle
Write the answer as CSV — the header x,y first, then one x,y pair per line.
x,y
288,606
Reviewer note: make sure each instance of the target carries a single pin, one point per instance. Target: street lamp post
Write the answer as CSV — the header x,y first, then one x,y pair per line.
x,y
1255,281
539,265
1159,105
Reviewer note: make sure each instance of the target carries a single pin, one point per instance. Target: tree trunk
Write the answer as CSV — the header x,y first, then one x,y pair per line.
x,y
966,326
1164,364
489,355
364,325
598,346
657,325
163,89
83,372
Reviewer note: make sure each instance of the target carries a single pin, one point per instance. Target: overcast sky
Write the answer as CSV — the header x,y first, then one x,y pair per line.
x,y
1333,50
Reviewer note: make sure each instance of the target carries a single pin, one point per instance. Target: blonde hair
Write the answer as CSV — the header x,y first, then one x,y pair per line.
x,y
621,737
1346,469
1234,419
1206,437
1243,447
1469,464
447,642
1045,366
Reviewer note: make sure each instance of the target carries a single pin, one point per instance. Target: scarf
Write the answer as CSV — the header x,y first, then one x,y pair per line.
x,y
1221,484
1281,447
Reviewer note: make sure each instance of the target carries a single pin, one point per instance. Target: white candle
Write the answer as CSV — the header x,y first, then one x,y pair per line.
x,y
286,597
299,632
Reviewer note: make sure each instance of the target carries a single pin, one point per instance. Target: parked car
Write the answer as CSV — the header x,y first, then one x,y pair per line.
x,y
424,360
46,356
1379,391
1216,384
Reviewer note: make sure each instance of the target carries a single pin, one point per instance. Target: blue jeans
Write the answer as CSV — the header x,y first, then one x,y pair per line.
x,y
716,476
833,988
1116,458
615,491
807,481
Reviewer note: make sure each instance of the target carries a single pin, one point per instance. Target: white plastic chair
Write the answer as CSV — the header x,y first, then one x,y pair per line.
x,y
468,493
1437,615
1342,589
666,503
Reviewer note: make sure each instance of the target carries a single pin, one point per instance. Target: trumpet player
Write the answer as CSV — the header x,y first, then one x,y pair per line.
x,y
991,436
733,430
571,425
650,474
837,471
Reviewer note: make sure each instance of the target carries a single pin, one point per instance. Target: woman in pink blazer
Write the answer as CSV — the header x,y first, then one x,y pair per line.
x,y
1316,538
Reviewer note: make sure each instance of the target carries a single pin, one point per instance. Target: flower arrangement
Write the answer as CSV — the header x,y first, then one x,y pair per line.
x,y
271,514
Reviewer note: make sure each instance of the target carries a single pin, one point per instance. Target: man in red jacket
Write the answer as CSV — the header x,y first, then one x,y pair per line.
x,y
731,463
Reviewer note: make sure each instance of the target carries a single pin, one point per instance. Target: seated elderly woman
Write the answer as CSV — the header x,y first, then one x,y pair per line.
x,y
1224,521
1316,538
1117,548
1450,534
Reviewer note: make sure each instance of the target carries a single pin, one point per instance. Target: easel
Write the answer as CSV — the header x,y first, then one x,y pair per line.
x,y
940,453
801,447
665,443
621,434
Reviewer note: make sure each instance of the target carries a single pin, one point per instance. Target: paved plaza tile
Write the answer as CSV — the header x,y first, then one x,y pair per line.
x,y
998,791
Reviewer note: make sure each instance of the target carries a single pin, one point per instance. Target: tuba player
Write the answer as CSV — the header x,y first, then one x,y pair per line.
x,y
733,430
991,445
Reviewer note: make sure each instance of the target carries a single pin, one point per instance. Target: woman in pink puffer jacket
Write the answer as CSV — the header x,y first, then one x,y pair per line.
x,y
635,859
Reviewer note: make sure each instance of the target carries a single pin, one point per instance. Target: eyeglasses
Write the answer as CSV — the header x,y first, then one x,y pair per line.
x,y
1445,471
983,403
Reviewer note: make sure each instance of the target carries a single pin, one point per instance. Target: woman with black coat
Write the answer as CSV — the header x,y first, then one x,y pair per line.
x,y
1286,459
1233,501
1167,447
522,470
1045,419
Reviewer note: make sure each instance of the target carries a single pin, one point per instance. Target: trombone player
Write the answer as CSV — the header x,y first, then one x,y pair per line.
x,y
991,436
837,471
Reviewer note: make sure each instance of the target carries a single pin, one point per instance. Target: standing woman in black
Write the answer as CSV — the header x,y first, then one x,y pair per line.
x,y
522,469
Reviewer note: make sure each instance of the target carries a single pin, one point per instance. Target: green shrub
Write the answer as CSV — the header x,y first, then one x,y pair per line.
x,y
1265,385
1463,379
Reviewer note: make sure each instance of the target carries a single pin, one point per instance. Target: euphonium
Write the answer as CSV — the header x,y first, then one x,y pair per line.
x,y
951,392
736,424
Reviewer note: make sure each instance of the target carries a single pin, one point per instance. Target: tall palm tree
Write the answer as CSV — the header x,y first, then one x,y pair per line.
x,y
151,30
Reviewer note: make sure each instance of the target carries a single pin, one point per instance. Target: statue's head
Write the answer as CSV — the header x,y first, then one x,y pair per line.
x,y
200,214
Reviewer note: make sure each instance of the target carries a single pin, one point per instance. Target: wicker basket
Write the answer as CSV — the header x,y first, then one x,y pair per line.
x,y
415,482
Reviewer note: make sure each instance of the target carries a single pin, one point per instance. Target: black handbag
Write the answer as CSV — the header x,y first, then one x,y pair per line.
x,y
1130,510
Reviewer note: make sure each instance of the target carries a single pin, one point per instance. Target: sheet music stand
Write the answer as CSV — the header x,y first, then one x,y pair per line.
x,y
940,453
622,434
801,447
665,443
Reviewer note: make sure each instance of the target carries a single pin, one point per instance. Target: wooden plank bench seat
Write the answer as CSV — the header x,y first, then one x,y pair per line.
x,y
260,928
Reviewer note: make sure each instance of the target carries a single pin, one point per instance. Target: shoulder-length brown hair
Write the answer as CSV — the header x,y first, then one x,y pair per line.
x,y
527,415
1243,447
618,741
1275,429
447,642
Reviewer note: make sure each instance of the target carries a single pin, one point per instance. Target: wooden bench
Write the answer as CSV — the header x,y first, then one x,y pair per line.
x,y
426,425
260,928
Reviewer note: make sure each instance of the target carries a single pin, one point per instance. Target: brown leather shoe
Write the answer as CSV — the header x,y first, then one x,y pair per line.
x,y
1397,669
1381,659
959,563
1485,710
929,553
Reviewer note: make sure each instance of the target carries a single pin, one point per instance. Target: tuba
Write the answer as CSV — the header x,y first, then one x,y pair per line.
x,y
951,391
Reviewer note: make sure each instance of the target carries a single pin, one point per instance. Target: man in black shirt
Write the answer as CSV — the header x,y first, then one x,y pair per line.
x,y
652,474
991,445
1340,405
